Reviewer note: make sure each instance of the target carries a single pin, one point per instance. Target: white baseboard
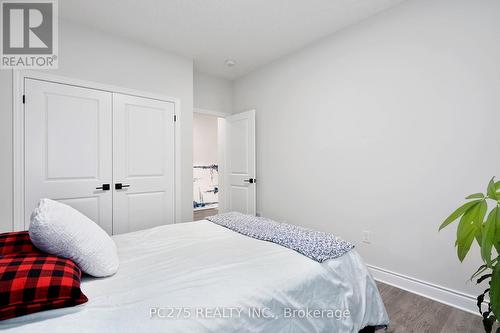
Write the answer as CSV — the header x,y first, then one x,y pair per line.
x,y
437,293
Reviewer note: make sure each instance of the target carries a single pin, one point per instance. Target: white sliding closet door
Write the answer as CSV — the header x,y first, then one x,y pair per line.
x,y
68,149
143,163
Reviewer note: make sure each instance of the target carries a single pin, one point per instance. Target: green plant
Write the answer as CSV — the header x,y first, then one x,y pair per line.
x,y
476,223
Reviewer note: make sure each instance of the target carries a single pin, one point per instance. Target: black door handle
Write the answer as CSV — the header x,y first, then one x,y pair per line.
x,y
104,187
250,180
119,186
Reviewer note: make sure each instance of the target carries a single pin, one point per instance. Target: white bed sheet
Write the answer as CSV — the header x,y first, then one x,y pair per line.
x,y
206,274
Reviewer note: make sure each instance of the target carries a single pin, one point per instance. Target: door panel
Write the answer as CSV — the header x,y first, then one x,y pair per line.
x,y
145,134
240,198
239,146
240,163
63,113
68,149
143,149
146,210
89,205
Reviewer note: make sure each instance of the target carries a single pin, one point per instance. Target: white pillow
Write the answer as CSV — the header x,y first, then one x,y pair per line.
x,y
63,231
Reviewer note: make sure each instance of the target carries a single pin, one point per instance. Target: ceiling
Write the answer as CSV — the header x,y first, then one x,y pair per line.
x,y
253,32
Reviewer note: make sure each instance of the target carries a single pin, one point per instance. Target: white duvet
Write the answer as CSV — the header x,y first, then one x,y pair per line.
x,y
200,277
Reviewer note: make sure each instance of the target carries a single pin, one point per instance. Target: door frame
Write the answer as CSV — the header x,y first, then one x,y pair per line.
x,y
221,151
18,135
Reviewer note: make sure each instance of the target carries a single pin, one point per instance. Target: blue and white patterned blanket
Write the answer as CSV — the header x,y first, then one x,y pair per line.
x,y
317,245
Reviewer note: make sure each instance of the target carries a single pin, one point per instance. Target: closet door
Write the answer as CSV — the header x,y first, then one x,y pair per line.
x,y
143,164
68,149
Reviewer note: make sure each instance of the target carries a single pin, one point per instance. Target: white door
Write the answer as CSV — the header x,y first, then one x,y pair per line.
x,y
143,150
240,186
68,149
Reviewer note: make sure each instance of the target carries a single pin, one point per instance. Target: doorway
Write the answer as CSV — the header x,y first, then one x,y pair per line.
x,y
224,168
206,171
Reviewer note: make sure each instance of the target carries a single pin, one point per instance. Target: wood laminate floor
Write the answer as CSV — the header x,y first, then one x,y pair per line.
x,y
412,313
202,214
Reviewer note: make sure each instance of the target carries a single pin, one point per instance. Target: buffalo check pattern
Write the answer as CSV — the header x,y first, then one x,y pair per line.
x,y
16,242
31,282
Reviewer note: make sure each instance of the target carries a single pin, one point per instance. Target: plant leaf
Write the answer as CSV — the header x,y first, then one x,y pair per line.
x,y
481,209
479,271
489,236
488,323
469,227
479,235
465,233
482,269
464,246
497,185
478,219
495,291
482,278
480,301
475,196
459,212
496,242
492,190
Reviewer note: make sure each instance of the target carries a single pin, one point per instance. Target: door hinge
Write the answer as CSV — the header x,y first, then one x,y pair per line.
x,y
24,99
175,117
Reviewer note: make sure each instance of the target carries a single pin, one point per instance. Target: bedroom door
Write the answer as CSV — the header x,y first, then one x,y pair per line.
x,y
240,184
68,146
143,163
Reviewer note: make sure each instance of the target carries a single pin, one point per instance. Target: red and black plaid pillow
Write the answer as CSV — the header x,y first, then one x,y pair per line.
x,y
16,242
37,282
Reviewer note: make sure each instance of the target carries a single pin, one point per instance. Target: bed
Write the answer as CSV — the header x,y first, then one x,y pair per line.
x,y
202,277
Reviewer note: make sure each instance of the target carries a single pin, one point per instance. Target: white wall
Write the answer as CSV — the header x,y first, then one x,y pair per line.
x,y
95,56
204,139
385,127
212,93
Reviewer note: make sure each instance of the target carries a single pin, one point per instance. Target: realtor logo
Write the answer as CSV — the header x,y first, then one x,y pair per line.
x,y
29,34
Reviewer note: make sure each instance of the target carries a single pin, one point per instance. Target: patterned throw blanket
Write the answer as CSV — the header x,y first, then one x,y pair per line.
x,y
317,245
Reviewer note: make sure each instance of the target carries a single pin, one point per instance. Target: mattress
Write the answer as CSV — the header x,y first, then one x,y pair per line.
x,y
201,277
